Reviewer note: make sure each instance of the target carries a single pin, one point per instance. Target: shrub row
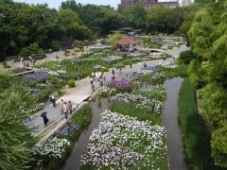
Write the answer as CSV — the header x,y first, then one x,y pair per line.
x,y
196,138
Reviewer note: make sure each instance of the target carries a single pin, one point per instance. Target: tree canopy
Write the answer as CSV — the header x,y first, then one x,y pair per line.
x,y
208,40
22,25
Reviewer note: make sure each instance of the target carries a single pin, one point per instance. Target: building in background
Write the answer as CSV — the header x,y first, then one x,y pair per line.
x,y
150,3
186,3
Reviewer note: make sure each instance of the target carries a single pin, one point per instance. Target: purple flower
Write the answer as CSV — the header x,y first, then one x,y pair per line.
x,y
119,84
39,76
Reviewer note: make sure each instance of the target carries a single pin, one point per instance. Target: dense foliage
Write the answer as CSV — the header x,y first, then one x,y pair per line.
x,y
22,25
15,140
40,28
207,37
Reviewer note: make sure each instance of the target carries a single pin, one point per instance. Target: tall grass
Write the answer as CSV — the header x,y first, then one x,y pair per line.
x,y
83,116
196,138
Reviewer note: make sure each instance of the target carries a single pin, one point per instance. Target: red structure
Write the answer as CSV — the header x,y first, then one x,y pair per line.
x,y
126,41
150,3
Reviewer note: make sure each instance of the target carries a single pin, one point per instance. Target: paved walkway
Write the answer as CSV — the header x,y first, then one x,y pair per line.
x,y
83,91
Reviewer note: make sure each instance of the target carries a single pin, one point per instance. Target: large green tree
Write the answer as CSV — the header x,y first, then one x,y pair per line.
x,y
15,139
162,19
134,16
208,39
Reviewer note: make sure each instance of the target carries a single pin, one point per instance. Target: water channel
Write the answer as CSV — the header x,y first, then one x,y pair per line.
x,y
170,121
80,147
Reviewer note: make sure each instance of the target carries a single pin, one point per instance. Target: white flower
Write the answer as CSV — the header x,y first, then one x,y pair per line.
x,y
121,141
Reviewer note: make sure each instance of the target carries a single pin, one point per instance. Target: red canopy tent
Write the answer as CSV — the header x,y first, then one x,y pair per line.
x,y
126,41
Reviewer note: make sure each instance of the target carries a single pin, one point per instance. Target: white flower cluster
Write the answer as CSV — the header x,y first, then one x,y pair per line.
x,y
140,101
121,142
106,91
52,148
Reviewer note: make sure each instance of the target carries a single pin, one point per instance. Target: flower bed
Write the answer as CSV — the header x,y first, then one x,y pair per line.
x,y
54,148
156,92
39,76
120,85
143,103
148,77
54,151
106,91
122,142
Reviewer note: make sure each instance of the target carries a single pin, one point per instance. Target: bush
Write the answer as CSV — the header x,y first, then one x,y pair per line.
x,y
185,57
2,56
71,83
105,69
29,50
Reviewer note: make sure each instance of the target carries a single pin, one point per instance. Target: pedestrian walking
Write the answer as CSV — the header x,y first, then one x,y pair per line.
x,y
53,100
113,72
101,83
70,107
65,110
62,105
45,119
93,87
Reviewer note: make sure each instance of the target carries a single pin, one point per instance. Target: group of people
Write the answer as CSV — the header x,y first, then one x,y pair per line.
x,y
66,107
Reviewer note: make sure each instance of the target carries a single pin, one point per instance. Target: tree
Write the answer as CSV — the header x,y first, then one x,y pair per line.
x,y
199,34
213,102
15,139
29,51
162,19
134,16
219,146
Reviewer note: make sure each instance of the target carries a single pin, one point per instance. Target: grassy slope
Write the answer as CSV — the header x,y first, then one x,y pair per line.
x,y
196,139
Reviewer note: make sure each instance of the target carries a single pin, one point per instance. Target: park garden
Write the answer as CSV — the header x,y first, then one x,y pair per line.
x,y
130,134
33,31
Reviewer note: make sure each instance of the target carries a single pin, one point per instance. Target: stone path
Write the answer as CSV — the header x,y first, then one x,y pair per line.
x,y
83,91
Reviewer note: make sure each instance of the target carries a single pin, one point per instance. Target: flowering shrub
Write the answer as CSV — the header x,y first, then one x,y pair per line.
x,y
122,142
141,102
105,91
52,148
120,85
128,76
39,76
148,77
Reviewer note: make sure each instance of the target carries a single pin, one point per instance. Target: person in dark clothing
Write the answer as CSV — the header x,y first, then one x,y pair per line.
x,y
101,83
45,119
53,100
113,72
70,107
